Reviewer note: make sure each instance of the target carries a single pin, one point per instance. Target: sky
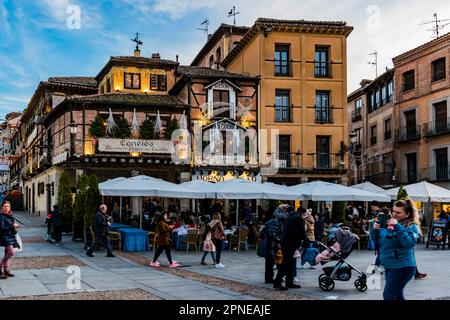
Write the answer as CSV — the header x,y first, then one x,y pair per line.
x,y
44,38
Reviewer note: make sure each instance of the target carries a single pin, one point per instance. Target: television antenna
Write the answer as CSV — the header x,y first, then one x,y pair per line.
x,y
233,13
436,25
137,41
374,63
205,29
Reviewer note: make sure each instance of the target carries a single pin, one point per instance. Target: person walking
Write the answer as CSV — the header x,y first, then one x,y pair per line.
x,y
397,242
57,221
291,239
217,237
163,231
208,246
310,237
101,229
377,216
271,234
319,226
8,231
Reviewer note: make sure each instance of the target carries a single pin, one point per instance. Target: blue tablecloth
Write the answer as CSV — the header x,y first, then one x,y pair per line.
x,y
134,239
115,226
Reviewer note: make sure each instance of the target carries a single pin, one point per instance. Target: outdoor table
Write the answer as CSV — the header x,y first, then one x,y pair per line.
x,y
134,239
116,225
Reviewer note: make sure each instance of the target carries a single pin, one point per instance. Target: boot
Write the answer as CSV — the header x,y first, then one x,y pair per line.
x,y
7,273
2,276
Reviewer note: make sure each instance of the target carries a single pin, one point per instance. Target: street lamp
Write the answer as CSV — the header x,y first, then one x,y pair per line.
x,y
73,132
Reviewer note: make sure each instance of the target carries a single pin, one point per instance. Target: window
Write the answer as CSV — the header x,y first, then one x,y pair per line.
x,y
383,95
284,151
323,107
321,62
108,85
438,69
282,106
158,82
358,136
387,129
408,80
377,99
358,106
282,66
323,152
221,96
218,55
211,61
371,101
373,135
390,90
132,81
442,166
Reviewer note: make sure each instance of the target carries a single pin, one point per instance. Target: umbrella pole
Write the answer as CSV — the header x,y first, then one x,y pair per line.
x,y
120,210
140,215
237,212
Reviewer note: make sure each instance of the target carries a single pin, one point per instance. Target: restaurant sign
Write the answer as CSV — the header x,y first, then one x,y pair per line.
x,y
135,145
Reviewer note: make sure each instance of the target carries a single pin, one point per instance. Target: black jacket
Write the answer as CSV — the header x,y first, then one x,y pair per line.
x,y
101,227
294,231
7,231
57,218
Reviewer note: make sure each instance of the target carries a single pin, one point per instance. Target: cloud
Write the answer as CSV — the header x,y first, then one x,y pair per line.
x,y
4,24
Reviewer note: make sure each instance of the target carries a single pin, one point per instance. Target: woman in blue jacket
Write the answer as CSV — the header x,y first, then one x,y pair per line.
x,y
397,248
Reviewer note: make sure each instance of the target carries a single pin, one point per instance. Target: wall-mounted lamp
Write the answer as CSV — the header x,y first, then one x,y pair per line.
x,y
145,90
117,89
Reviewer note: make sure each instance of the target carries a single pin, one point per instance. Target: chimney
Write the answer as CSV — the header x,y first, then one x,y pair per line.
x,y
156,55
177,58
137,52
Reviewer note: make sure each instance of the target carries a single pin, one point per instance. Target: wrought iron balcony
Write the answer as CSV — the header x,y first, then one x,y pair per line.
x,y
438,127
408,133
324,115
327,161
356,115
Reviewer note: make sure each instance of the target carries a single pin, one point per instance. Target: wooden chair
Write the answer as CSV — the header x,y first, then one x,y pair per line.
x,y
151,239
192,238
239,239
116,238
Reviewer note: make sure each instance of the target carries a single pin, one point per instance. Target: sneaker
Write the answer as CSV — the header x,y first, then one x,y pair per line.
x,y
279,287
111,255
174,265
89,254
420,276
220,265
154,264
203,263
312,267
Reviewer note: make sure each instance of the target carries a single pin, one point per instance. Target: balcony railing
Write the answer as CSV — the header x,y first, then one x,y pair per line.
x,y
322,69
405,134
201,159
437,173
356,115
323,115
407,177
327,161
283,68
282,113
437,127
286,160
381,179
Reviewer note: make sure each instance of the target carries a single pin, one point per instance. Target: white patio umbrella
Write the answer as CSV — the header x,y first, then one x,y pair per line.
x,y
423,192
158,124
111,124
325,191
183,122
134,123
109,183
368,186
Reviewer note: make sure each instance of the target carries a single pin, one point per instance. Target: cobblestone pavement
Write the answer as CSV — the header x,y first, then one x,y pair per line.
x,y
242,278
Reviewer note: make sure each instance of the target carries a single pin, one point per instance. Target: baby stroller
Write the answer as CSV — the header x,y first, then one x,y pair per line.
x,y
342,270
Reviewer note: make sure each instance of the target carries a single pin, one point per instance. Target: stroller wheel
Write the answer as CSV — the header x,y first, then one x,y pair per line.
x,y
326,283
360,284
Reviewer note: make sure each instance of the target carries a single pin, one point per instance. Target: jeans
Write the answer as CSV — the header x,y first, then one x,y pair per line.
x,y
213,256
396,280
9,253
98,240
218,244
160,249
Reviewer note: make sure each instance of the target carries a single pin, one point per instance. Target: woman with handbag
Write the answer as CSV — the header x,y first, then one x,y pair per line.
x,y
8,231
163,231
208,246
217,237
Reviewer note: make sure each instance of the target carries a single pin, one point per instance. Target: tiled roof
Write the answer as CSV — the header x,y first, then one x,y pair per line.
x,y
81,81
262,24
223,29
129,99
135,61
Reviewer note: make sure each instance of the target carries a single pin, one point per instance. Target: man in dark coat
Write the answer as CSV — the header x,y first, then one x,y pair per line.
x,y
271,234
291,239
57,222
101,229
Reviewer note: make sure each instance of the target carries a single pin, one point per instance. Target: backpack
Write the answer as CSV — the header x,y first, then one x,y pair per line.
x,y
263,243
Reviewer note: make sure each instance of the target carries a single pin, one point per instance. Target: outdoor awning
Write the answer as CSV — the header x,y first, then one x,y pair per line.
x,y
369,186
423,192
325,191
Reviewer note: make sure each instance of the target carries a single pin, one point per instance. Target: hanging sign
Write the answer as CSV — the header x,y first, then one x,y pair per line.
x,y
135,145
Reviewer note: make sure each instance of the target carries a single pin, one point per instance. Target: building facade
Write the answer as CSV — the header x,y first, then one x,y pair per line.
x,y
422,90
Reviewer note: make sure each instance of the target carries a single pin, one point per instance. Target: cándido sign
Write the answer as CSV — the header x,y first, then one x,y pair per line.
x,y
135,145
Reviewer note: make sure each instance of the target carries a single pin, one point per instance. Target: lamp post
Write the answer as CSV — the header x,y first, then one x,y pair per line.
x,y
73,132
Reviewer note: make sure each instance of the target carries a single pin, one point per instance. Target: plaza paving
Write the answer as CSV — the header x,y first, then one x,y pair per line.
x,y
101,274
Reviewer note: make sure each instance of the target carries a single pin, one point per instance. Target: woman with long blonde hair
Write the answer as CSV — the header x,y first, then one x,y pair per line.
x,y
397,243
217,236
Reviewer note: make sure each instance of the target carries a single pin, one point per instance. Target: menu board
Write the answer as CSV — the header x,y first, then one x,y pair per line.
x,y
438,233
